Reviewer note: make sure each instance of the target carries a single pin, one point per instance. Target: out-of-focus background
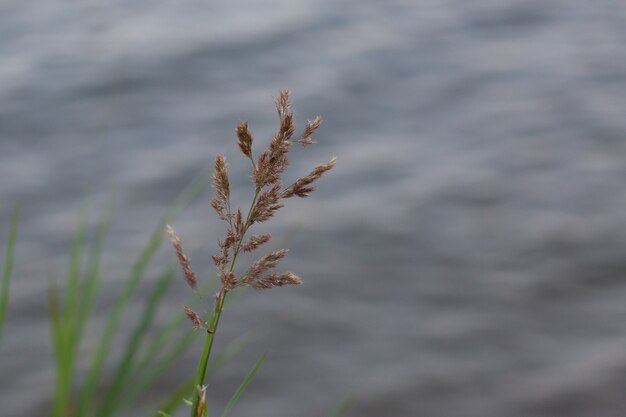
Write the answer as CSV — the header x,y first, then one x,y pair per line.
x,y
466,257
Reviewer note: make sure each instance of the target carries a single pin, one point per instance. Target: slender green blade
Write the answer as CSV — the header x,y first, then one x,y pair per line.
x,y
124,366
59,341
73,277
137,272
153,369
68,315
342,407
176,399
156,344
242,387
93,273
157,366
8,267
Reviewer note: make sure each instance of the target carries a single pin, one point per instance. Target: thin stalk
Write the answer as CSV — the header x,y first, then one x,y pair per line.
x,y
206,353
215,318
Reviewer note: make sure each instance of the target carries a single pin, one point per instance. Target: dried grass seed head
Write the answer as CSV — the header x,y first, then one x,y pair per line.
x,y
194,318
302,187
273,161
262,265
311,126
183,260
255,241
244,139
276,280
228,280
221,184
283,104
267,204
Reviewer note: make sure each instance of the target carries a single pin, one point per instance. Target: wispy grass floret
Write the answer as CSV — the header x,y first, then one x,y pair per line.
x,y
269,193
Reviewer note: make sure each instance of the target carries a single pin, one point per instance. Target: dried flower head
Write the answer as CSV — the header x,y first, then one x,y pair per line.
x,y
194,318
283,104
183,259
267,170
255,241
276,280
264,264
267,204
311,126
244,139
302,187
228,279
221,201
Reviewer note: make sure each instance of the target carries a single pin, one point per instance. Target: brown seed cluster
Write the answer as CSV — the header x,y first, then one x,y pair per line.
x,y
267,169
221,201
190,276
194,318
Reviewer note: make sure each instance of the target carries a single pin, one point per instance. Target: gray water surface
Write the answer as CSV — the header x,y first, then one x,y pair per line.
x,y
466,257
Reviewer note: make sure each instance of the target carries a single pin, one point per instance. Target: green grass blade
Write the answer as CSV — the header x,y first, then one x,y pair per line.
x,y
149,372
68,316
157,366
95,371
8,267
156,343
342,407
242,387
93,273
176,399
64,319
58,340
73,276
122,373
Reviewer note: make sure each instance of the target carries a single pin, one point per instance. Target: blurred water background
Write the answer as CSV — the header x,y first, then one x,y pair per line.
x,y
466,257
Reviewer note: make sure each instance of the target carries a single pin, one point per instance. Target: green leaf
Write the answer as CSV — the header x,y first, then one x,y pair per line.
x,y
342,407
59,342
242,387
67,318
8,267
177,399
95,371
124,366
156,367
93,273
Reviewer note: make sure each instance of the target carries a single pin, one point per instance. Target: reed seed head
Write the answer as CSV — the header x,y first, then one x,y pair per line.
x,y
221,201
302,187
228,279
183,260
267,204
244,138
311,126
264,264
194,318
255,241
282,103
267,170
276,280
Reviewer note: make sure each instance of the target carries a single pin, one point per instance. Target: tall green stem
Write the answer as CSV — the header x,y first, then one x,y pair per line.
x,y
208,344
215,318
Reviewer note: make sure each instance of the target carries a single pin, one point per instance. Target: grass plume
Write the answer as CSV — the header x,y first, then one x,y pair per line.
x,y
267,169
